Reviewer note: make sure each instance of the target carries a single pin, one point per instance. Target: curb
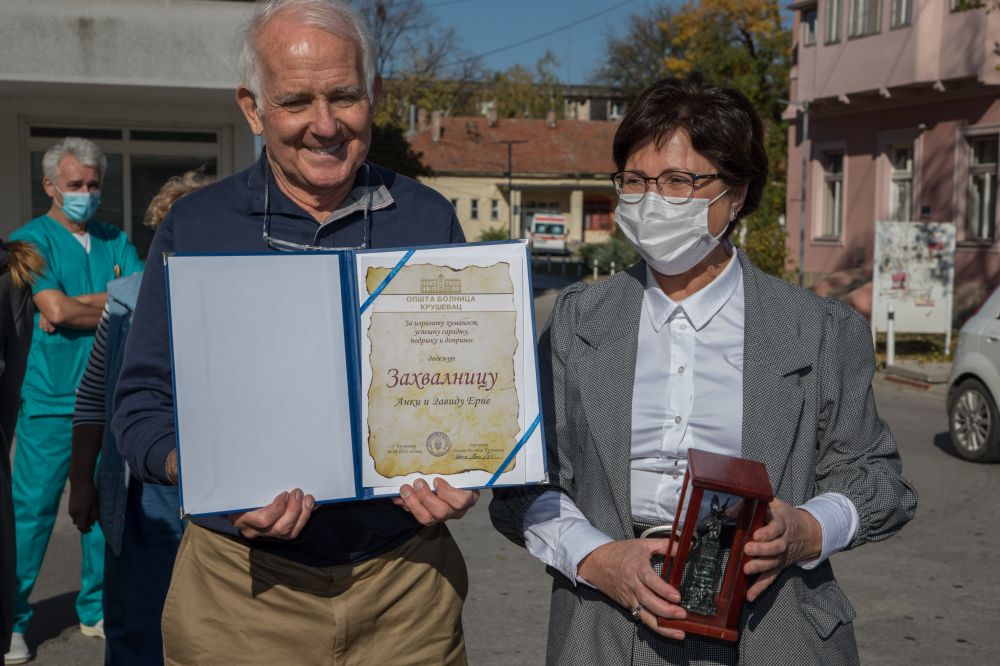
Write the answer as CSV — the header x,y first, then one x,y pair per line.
x,y
907,381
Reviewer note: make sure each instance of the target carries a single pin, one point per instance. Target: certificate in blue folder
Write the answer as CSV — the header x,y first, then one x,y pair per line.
x,y
348,374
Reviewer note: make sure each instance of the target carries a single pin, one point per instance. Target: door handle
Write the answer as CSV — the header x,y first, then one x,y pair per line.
x,y
992,338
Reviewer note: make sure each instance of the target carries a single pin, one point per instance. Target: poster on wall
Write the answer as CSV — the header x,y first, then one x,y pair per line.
x,y
914,273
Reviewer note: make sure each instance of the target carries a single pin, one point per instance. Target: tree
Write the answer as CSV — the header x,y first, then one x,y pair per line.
x,y
389,148
637,59
419,62
519,92
743,44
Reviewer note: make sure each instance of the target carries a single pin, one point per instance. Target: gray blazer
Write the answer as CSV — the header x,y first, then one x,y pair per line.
x,y
808,414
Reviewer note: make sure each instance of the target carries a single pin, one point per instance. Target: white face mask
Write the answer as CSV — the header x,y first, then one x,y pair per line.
x,y
672,238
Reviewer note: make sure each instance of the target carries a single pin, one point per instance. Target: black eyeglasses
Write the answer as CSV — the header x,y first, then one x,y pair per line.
x,y
289,246
677,186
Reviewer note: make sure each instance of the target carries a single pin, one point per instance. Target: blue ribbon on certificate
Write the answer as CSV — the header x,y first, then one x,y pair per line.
x,y
387,280
518,447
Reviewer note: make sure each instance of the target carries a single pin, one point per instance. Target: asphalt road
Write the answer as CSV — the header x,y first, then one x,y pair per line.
x,y
924,597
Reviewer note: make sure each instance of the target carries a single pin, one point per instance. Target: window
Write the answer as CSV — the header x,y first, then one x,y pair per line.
x,y
900,13
833,195
808,18
980,213
616,110
454,203
494,209
140,161
832,21
865,17
474,209
965,5
901,183
598,214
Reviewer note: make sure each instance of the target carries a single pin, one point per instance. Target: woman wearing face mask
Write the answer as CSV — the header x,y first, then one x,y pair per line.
x,y
694,347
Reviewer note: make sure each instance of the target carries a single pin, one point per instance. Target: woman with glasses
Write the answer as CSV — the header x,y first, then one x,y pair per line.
x,y
695,347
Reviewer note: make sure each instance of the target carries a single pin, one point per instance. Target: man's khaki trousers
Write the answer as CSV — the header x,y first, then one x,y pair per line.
x,y
230,605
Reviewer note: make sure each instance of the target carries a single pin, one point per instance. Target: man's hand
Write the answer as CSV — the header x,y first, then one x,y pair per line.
x,y
46,325
172,467
428,508
283,518
83,504
622,570
790,535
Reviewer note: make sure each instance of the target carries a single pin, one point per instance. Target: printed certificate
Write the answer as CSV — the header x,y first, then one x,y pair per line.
x,y
450,387
365,370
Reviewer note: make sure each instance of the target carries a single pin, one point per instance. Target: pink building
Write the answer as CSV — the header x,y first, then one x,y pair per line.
x,y
903,105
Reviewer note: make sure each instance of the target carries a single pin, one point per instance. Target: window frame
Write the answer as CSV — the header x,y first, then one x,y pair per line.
x,y
833,22
971,171
854,23
900,176
911,137
494,210
474,208
221,150
817,192
896,22
808,34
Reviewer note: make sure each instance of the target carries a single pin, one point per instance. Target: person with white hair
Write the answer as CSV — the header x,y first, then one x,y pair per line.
x,y
81,255
379,582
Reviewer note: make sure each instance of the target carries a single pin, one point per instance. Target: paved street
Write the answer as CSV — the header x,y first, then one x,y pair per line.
x,y
924,597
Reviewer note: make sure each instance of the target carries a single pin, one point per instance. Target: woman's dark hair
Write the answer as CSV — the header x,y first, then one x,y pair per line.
x,y
722,124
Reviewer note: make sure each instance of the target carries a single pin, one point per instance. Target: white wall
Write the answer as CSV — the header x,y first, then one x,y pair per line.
x,y
153,64
185,43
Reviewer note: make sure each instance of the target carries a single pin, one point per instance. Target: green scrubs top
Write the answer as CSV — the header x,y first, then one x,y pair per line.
x,y
56,362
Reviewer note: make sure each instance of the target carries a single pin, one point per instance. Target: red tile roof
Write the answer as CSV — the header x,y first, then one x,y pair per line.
x,y
469,145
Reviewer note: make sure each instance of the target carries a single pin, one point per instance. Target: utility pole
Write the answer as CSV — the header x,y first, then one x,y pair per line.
x,y
510,182
802,204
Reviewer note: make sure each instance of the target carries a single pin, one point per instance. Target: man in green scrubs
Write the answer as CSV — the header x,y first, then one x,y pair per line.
x,y
81,256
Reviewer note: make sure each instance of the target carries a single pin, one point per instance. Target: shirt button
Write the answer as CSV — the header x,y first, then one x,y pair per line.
x,y
684,327
677,419
680,370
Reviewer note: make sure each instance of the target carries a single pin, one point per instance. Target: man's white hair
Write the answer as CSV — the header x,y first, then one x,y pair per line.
x,y
86,152
333,16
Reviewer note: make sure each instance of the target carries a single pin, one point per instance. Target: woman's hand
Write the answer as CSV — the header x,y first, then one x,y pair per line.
x,y
789,535
283,518
622,570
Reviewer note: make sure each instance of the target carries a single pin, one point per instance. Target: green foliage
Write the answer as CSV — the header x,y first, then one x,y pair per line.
x,y
741,44
519,92
495,233
390,149
616,249
764,243
636,60
744,44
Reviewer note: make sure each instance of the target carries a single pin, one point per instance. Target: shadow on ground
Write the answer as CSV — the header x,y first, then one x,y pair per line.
x,y
50,618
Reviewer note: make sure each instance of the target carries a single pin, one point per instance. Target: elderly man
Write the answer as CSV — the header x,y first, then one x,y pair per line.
x,y
81,256
374,582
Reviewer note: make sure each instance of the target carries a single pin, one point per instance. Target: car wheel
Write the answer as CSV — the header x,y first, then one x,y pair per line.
x,y
974,422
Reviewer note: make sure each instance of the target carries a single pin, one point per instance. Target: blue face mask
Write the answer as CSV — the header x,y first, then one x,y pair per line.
x,y
80,206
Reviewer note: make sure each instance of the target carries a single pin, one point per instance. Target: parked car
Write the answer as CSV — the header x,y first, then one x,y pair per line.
x,y
974,385
548,233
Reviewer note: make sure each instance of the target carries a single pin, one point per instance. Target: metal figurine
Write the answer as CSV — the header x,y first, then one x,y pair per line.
x,y
699,589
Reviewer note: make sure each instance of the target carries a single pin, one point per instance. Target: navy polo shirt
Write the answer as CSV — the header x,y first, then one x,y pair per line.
x,y
228,216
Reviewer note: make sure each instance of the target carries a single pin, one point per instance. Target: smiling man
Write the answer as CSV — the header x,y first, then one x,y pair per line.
x,y
373,582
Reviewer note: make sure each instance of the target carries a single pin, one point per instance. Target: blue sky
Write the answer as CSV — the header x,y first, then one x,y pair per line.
x,y
487,25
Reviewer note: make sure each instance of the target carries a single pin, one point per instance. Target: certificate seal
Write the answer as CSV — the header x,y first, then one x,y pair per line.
x,y
438,444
